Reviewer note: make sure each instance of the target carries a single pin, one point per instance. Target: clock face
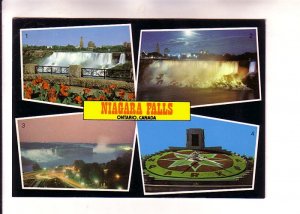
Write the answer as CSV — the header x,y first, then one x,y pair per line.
x,y
191,165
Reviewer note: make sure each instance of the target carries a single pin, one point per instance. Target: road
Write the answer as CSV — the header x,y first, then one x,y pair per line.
x,y
42,175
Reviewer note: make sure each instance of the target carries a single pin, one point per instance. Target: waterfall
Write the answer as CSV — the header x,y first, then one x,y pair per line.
x,y
40,155
197,74
122,58
252,67
90,60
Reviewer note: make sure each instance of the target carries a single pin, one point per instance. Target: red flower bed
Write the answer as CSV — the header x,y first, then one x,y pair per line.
x,y
42,90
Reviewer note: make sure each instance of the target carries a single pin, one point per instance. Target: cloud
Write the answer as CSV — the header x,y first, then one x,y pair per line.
x,y
192,39
174,42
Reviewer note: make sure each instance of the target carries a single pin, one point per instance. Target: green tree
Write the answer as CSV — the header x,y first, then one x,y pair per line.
x,y
79,164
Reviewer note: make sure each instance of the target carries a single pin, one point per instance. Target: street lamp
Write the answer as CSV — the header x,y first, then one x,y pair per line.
x,y
104,180
117,176
105,171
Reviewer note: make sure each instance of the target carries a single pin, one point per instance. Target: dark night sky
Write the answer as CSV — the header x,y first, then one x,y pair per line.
x,y
234,41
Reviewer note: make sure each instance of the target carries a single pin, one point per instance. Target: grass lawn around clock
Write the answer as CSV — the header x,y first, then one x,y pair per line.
x,y
173,165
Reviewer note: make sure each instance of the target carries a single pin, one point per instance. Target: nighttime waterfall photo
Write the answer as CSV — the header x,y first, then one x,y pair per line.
x,y
203,66
67,152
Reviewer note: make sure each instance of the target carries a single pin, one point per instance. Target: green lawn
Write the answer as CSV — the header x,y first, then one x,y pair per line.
x,y
160,173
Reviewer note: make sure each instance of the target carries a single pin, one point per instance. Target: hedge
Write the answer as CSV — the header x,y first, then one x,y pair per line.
x,y
81,81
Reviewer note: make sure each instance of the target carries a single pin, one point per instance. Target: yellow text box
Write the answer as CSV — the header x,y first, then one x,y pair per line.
x,y
136,110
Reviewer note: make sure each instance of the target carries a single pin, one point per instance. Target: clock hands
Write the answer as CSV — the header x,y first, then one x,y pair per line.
x,y
197,158
192,165
194,160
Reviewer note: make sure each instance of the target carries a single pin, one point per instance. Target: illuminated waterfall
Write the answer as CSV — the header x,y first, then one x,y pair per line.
x,y
252,67
40,155
196,74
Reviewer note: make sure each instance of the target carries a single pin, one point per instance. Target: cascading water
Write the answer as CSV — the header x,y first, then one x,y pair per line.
x,y
40,155
122,58
90,60
252,67
196,74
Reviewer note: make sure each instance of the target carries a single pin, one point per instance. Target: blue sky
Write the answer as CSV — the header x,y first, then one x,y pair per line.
x,y
159,135
107,35
237,41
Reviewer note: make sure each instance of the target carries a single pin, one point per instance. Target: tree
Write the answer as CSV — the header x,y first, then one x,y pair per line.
x,y
79,164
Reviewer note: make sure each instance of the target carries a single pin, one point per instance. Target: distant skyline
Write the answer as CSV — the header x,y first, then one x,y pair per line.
x,y
235,41
158,136
73,129
101,35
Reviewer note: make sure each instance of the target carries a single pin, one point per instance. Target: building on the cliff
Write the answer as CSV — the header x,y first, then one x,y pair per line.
x,y
157,49
81,42
91,45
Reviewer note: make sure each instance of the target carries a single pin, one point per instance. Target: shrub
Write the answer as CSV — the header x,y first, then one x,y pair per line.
x,y
101,83
81,82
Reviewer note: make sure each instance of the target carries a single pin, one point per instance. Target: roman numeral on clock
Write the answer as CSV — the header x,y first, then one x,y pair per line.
x,y
168,173
194,175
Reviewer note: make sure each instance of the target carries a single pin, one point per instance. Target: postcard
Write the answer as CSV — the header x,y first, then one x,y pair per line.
x,y
138,108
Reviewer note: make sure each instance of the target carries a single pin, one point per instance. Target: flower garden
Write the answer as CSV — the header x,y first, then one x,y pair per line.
x,y
43,90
